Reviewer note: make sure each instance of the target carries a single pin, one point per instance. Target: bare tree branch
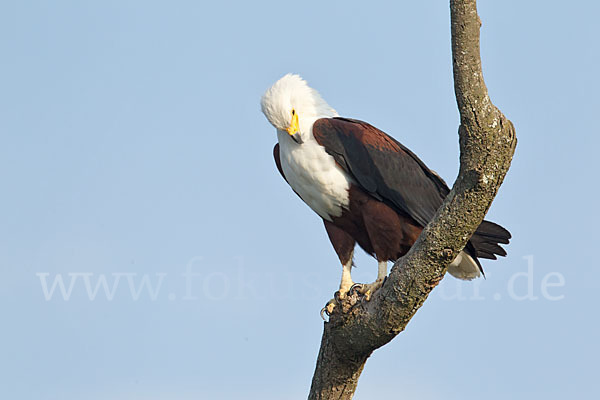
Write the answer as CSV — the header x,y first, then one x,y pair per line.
x,y
487,143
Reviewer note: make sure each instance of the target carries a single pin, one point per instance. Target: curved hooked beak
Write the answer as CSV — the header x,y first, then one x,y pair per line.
x,y
293,130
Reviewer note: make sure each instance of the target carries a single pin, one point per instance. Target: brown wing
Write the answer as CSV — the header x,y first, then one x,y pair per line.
x,y
392,173
383,167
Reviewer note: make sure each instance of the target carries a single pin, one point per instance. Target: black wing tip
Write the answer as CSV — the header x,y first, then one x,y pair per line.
x,y
493,230
487,240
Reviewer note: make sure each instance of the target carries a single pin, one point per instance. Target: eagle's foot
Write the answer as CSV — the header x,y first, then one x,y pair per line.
x,y
338,297
366,290
341,303
328,309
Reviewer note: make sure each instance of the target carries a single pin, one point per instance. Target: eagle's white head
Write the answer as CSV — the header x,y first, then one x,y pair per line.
x,y
292,106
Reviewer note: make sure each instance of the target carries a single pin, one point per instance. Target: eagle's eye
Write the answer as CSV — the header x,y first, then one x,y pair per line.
x,y
293,112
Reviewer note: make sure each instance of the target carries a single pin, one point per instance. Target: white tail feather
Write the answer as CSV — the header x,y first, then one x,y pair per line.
x,y
464,267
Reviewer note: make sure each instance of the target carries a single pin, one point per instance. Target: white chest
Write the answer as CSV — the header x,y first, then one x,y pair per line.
x,y
315,176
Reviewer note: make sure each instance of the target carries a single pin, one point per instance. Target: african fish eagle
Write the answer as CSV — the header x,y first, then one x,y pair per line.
x,y
368,188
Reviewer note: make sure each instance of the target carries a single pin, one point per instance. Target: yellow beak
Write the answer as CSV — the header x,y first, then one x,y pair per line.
x,y
294,128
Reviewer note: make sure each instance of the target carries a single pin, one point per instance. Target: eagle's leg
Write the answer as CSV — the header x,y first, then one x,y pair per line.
x,y
345,285
367,289
343,244
346,282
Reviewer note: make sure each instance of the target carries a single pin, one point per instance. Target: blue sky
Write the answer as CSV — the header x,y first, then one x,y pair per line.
x,y
132,149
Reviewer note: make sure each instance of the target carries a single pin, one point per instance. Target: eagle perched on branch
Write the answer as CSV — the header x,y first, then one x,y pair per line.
x,y
366,186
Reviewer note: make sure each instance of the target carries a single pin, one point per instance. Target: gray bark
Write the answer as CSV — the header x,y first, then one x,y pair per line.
x,y
487,143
